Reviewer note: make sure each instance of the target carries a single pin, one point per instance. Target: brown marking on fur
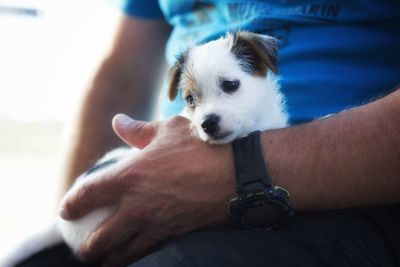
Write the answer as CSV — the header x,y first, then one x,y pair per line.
x,y
174,78
258,54
189,84
181,77
175,75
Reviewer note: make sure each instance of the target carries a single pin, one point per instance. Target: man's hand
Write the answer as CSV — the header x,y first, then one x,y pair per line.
x,y
177,184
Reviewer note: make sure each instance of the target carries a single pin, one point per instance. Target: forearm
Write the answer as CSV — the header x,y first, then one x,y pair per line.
x,y
124,83
91,133
347,160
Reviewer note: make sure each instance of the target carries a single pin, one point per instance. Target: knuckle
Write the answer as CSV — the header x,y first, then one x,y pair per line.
x,y
170,230
84,193
89,250
177,120
137,129
84,254
143,215
74,200
128,178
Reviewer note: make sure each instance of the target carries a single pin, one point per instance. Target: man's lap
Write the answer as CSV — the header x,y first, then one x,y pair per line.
x,y
338,238
335,238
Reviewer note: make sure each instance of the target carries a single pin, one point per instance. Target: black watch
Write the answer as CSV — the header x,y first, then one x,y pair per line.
x,y
259,205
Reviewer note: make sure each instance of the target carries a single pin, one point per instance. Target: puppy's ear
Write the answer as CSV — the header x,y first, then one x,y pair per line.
x,y
175,75
256,53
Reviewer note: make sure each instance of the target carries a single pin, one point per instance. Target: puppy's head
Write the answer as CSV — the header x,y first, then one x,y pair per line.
x,y
223,84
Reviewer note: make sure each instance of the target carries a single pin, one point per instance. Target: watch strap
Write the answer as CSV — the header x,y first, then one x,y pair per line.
x,y
249,162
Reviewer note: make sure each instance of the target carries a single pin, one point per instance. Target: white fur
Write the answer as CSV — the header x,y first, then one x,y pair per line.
x,y
76,232
257,105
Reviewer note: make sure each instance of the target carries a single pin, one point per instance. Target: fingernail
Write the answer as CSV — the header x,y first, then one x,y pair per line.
x,y
123,120
64,214
61,210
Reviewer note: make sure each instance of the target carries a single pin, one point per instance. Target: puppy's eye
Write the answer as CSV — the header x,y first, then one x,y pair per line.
x,y
190,101
230,86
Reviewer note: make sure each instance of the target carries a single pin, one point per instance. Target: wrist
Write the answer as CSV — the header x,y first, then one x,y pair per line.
x,y
268,140
278,156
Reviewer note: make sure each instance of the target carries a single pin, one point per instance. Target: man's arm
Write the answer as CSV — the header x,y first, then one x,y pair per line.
x,y
125,82
346,160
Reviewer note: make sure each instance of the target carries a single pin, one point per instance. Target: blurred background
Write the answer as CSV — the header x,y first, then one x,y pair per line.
x,y
48,51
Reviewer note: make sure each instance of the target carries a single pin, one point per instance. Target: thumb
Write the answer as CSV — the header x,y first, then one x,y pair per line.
x,y
134,132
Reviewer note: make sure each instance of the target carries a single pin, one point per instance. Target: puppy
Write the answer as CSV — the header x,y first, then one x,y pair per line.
x,y
230,89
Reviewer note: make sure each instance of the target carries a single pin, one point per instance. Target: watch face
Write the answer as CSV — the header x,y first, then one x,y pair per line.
x,y
263,215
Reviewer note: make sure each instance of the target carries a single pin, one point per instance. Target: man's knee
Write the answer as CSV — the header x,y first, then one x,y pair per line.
x,y
312,239
219,247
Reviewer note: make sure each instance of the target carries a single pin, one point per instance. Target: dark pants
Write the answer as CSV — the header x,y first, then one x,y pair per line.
x,y
333,238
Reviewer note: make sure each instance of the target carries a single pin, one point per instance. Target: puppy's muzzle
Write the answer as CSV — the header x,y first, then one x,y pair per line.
x,y
210,124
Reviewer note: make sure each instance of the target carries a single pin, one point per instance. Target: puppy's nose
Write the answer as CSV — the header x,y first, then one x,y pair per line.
x,y
210,124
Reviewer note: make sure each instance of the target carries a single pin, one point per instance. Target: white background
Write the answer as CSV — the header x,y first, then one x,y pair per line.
x,y
45,63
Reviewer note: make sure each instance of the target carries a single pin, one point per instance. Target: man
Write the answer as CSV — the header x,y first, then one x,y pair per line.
x,y
333,57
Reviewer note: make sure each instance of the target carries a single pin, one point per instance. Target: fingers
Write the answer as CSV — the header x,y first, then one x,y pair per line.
x,y
133,132
134,250
90,195
111,234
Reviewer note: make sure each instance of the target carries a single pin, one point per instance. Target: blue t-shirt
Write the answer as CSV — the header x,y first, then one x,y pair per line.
x,y
334,54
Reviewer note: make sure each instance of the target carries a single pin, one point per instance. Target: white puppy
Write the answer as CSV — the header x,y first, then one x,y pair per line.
x,y
230,89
